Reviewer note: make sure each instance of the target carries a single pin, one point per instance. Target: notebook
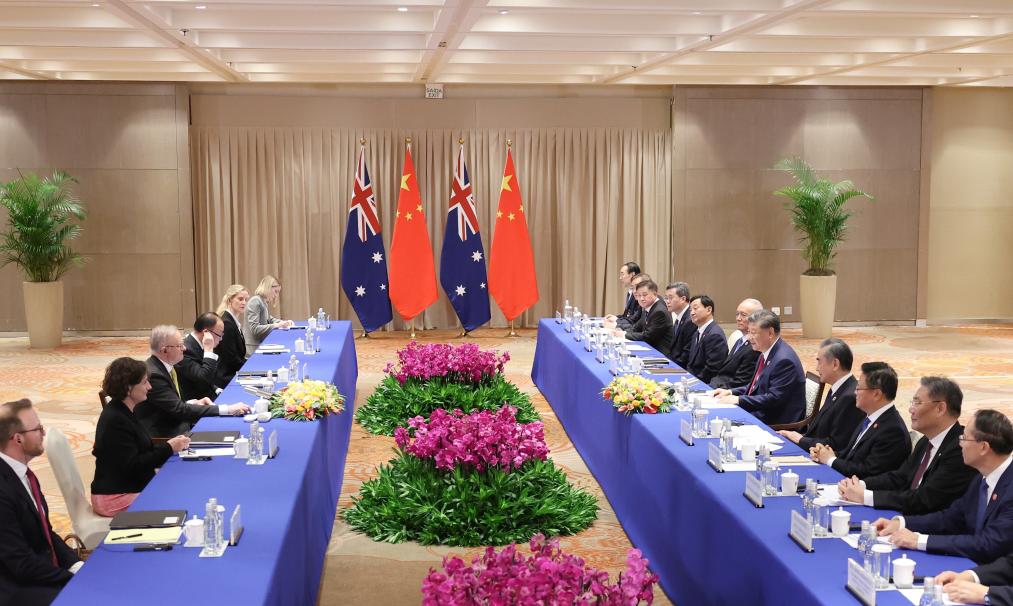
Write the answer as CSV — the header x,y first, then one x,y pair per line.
x,y
154,518
199,439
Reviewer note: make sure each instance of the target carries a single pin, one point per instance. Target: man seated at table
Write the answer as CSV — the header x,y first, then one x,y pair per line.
x,y
35,563
838,417
987,584
631,313
199,367
738,367
709,347
934,475
165,413
677,302
881,442
776,393
654,326
978,525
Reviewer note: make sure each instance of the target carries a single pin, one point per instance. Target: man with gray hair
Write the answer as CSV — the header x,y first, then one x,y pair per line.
x,y
741,361
164,413
677,300
776,393
35,563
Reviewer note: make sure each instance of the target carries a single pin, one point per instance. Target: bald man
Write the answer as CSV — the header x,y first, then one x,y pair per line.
x,y
738,368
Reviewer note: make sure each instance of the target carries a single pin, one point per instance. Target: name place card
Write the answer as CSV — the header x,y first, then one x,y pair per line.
x,y
714,457
686,432
754,489
801,531
861,583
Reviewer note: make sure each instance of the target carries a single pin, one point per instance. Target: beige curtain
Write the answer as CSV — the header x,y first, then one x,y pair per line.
x,y
275,200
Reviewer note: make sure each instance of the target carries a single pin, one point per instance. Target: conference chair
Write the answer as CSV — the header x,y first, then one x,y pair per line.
x,y
814,388
734,338
89,527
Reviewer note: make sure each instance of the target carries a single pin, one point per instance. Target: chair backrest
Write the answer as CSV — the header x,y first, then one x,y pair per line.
x,y
734,338
87,524
103,398
813,394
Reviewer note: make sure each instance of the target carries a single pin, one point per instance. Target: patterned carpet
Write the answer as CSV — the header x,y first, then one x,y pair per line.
x,y
64,385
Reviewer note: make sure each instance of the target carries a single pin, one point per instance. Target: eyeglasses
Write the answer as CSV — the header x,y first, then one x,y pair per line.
x,y
964,438
180,346
917,402
41,428
217,334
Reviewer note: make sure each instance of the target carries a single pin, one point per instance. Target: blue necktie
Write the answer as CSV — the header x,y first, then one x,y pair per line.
x,y
982,505
861,430
738,344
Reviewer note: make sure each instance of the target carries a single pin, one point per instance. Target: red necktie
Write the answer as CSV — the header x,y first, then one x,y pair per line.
x,y
33,482
922,467
756,377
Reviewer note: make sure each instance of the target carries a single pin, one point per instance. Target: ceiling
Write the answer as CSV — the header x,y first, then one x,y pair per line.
x,y
659,42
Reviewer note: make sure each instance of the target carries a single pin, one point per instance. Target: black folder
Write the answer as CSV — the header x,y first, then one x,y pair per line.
x,y
154,518
206,439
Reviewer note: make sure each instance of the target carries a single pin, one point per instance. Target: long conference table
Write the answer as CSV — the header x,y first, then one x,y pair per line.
x,y
287,505
704,539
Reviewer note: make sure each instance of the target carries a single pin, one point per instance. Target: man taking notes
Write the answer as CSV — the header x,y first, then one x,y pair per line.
x,y
654,326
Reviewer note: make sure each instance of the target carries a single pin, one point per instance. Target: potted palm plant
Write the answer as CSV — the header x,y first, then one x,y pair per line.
x,y
819,216
40,226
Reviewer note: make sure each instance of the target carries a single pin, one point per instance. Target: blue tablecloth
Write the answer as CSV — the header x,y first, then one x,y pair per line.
x,y
708,543
288,506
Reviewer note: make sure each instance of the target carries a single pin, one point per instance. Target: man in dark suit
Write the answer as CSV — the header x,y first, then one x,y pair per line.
x,y
709,347
978,525
198,370
738,367
654,326
987,584
776,393
683,329
838,417
631,312
934,475
881,442
35,563
165,413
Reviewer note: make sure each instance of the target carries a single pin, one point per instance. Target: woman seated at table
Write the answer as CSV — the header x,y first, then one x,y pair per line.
x,y
125,458
231,350
259,321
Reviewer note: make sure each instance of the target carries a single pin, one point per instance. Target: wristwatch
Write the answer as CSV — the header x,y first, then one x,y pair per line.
x,y
986,600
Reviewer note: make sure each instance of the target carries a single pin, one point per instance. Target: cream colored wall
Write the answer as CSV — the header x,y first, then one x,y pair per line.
x,y
733,238
970,258
127,146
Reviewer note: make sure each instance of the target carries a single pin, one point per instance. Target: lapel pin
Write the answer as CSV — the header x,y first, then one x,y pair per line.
x,y
995,497
875,425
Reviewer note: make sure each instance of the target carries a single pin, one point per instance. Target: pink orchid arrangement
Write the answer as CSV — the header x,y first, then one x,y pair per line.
x,y
464,362
547,576
478,440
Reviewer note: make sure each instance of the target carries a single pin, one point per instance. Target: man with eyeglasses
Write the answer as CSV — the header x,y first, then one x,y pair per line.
x,y
738,367
165,413
683,329
35,563
978,525
199,366
934,475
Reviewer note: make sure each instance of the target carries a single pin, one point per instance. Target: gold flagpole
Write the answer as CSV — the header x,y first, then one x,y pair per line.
x,y
512,332
413,327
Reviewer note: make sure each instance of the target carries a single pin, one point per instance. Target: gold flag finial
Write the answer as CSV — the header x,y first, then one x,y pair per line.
x,y
509,142
362,141
408,140
461,140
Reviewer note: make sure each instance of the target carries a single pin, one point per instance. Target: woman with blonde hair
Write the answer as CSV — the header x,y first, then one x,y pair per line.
x,y
259,321
231,350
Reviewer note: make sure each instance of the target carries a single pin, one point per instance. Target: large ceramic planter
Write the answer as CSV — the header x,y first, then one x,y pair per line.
x,y
817,300
44,313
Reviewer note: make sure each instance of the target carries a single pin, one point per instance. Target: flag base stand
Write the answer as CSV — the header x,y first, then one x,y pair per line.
x,y
364,335
512,333
464,334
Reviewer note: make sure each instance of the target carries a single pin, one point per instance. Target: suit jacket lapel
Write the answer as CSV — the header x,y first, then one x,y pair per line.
x,y
17,487
997,494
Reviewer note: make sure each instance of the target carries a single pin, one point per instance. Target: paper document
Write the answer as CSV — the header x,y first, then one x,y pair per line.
x,y
144,535
739,466
633,346
830,495
852,540
223,451
794,461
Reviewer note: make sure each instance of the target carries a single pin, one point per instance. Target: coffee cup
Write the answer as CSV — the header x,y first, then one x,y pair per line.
x,y
242,446
789,482
260,405
904,572
748,451
839,522
715,426
193,530
300,346
283,374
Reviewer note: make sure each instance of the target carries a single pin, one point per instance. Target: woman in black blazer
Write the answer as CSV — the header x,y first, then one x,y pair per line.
x,y
232,348
125,458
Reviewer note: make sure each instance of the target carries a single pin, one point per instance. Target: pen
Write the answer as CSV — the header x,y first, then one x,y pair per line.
x,y
154,547
129,536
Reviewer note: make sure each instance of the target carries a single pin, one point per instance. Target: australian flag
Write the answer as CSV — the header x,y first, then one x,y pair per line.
x,y
363,258
462,261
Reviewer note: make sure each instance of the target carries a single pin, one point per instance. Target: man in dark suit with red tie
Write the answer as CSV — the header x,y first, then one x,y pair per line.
x,y
978,525
738,367
881,442
35,563
710,346
934,475
776,393
838,417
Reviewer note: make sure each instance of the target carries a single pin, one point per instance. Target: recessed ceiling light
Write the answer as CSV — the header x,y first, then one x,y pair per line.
x,y
96,5
697,13
504,12
402,9
200,7
974,16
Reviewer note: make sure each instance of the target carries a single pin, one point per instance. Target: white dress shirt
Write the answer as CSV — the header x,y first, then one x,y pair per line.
x,y
700,330
872,421
223,409
936,442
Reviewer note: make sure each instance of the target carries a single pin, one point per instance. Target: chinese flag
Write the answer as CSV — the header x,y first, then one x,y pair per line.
x,y
412,272
512,281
